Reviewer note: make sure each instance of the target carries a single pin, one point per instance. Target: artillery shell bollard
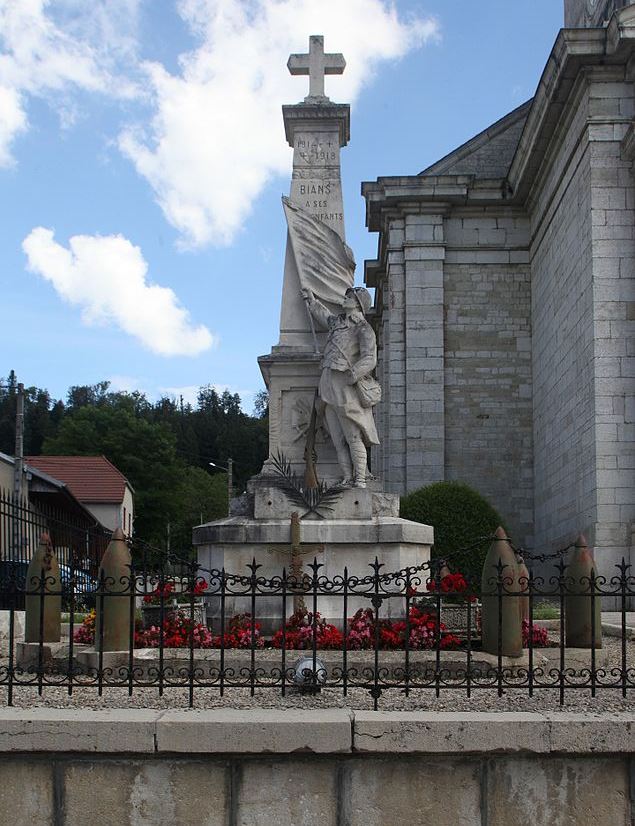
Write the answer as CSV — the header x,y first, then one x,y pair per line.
x,y
43,609
43,606
500,615
583,612
113,604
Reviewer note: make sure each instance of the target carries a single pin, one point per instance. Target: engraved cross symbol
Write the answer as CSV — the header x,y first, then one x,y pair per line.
x,y
316,64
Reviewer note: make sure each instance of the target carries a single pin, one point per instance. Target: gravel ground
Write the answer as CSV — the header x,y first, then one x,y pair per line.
x,y
450,699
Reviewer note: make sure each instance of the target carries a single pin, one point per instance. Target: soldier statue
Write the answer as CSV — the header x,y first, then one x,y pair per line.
x,y
347,389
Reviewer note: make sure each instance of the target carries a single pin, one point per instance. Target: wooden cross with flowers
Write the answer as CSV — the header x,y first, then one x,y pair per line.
x,y
297,550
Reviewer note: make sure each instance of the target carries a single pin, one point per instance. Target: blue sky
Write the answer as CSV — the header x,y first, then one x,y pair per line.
x,y
142,159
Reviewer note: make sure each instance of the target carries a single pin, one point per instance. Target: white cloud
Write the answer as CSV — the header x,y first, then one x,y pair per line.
x,y
216,135
49,48
12,122
125,384
106,277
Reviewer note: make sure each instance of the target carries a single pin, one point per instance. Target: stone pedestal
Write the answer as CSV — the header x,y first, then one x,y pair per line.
x,y
362,525
29,655
113,662
292,377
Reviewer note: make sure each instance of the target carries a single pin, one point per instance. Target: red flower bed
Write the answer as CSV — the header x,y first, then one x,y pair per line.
x,y
85,633
239,634
423,631
539,638
300,630
177,629
452,584
303,627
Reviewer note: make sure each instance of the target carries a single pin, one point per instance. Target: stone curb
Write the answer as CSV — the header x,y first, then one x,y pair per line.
x,y
503,732
454,733
323,731
77,730
237,731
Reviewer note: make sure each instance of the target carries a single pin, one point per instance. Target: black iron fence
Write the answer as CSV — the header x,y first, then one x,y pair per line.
x,y
78,541
164,622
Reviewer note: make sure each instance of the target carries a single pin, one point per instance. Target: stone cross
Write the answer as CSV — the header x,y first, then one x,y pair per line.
x,y
298,549
316,64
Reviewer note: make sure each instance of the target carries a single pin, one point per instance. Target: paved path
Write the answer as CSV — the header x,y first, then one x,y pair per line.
x,y
615,618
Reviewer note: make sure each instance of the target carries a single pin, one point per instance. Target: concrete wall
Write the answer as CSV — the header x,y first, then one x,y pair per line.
x,y
111,515
299,768
6,476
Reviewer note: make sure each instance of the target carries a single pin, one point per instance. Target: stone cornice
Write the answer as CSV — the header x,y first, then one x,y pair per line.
x,y
574,50
309,115
628,143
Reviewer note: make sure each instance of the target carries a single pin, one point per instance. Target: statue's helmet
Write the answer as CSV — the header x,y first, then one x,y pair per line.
x,y
363,298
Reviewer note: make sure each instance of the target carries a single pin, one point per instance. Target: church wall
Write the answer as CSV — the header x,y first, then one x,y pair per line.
x,y
585,14
388,458
487,381
562,315
583,256
454,341
613,249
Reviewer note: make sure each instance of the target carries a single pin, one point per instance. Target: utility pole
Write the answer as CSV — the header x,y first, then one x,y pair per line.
x,y
19,444
230,484
18,465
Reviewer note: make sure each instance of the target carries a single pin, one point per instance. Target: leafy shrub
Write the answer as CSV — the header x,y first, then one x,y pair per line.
x,y
459,516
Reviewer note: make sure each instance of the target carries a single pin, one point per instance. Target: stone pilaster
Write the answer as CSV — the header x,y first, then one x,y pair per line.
x,y
410,331
424,254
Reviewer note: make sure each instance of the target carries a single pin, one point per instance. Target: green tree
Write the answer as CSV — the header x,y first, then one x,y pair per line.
x,y
145,452
201,498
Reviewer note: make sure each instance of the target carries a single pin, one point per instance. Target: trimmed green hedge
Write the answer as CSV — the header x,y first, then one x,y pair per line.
x,y
459,516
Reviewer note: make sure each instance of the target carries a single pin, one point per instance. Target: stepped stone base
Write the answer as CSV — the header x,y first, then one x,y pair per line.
x,y
362,526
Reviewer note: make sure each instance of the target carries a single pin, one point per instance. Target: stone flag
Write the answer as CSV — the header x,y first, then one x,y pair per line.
x,y
326,265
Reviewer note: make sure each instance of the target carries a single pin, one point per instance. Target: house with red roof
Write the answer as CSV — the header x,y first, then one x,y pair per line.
x,y
96,483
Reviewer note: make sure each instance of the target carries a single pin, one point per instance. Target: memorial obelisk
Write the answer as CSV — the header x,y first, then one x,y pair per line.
x,y
316,129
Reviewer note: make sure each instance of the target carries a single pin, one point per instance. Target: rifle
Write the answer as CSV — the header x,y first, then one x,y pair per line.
x,y
310,453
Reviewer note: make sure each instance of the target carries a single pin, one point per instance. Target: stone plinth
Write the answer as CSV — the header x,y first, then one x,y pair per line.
x,y
351,542
291,378
350,504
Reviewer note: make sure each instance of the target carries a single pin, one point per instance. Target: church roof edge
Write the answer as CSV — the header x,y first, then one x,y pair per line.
x,y
445,164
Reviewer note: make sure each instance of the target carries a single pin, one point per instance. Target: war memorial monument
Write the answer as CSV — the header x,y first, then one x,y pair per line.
x,y
320,381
